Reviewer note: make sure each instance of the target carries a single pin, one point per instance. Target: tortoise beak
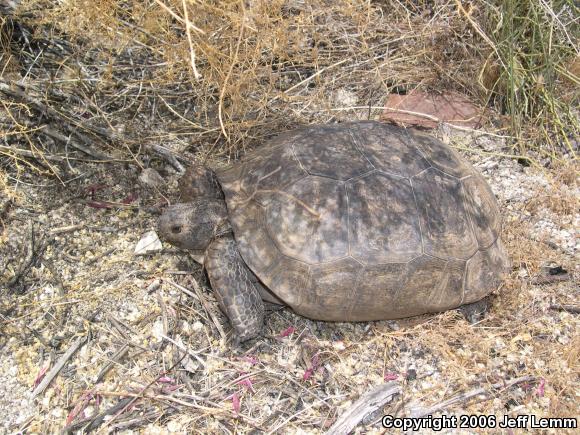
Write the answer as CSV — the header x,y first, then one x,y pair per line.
x,y
189,225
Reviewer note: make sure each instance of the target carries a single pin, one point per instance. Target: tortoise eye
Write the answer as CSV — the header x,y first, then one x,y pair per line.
x,y
176,229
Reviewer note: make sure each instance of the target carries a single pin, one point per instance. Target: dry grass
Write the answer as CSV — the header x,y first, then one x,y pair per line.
x,y
533,70
121,78
131,74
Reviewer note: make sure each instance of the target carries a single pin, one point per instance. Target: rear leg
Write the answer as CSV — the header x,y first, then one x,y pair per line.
x,y
476,311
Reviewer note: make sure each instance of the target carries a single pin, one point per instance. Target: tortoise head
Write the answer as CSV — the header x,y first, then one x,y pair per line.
x,y
203,215
193,225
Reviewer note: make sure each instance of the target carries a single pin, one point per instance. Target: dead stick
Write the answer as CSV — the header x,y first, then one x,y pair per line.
x,y
169,157
185,349
31,256
93,423
366,404
114,360
64,230
52,113
574,309
141,394
49,131
199,296
549,279
163,308
58,366
30,154
419,412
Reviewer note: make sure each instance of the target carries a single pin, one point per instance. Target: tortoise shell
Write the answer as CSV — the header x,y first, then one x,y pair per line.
x,y
365,221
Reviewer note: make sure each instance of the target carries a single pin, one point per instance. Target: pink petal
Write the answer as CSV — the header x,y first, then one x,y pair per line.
x,y
314,365
247,383
80,406
170,388
236,403
71,416
541,388
92,188
251,359
40,375
286,332
391,376
165,380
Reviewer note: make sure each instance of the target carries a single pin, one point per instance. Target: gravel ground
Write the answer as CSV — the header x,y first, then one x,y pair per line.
x,y
303,374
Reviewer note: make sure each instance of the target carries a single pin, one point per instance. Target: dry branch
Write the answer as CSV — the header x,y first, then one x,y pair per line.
x,y
13,91
117,356
418,412
366,404
201,298
35,249
58,366
574,309
550,279
93,423
169,157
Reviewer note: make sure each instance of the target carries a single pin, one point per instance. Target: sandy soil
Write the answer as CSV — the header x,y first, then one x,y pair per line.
x,y
149,336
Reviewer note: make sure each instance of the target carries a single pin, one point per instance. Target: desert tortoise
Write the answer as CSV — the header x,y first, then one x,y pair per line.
x,y
346,222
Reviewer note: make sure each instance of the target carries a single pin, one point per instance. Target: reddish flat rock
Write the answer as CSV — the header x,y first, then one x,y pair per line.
x,y
429,109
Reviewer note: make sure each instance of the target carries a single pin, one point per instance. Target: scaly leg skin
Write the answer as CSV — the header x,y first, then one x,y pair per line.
x,y
233,286
475,312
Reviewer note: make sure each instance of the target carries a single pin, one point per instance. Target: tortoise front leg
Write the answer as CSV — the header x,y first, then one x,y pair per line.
x,y
234,288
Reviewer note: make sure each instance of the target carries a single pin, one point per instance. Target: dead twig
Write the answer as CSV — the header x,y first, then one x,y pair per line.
x,y
117,356
228,75
14,92
163,307
29,154
199,296
169,157
574,309
366,404
142,394
93,423
186,350
49,131
4,210
188,27
59,365
549,279
35,250
418,412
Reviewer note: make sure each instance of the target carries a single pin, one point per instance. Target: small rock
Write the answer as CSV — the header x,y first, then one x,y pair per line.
x,y
148,244
345,98
151,178
157,330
